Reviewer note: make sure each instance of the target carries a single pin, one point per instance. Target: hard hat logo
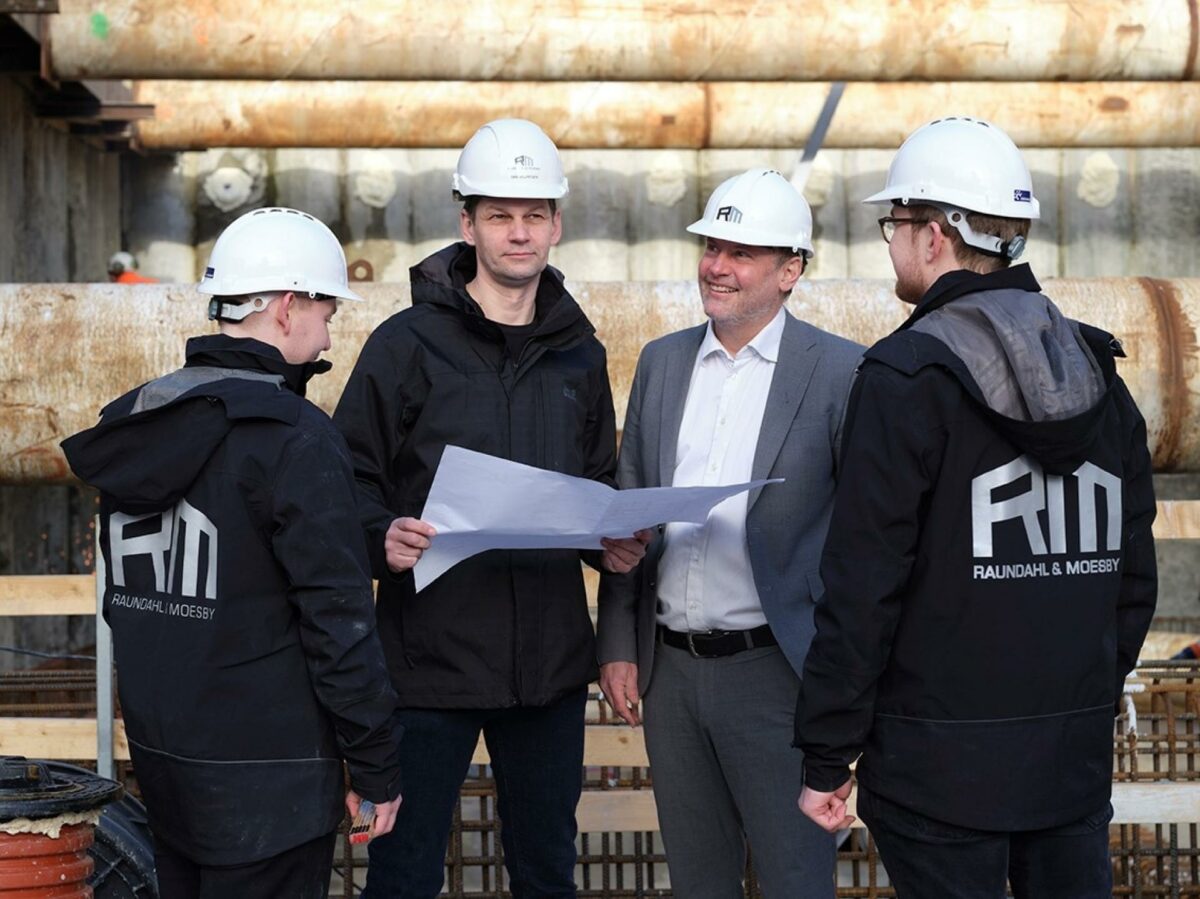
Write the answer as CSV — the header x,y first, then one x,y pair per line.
x,y
759,208
1022,196
510,159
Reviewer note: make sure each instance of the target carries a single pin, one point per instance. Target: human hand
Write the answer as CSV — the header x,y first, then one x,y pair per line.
x,y
618,683
385,813
622,554
827,810
404,542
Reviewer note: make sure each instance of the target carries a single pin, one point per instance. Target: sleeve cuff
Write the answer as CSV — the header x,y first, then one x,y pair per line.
x,y
825,779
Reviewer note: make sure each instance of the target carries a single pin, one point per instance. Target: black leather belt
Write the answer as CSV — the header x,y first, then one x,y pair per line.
x,y
714,644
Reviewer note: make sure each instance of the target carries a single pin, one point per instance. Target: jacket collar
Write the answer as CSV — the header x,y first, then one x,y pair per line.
x,y
244,352
441,279
961,282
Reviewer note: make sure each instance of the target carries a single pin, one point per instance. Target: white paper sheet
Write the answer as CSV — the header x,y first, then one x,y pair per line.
x,y
479,502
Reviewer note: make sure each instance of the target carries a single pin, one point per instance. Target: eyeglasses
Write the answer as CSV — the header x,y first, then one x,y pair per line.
x,y
887,225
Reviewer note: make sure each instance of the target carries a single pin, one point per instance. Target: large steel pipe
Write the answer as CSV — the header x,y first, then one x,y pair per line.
x,y
66,349
639,40
193,115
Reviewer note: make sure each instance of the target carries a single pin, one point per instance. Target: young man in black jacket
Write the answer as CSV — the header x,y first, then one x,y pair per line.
x,y
494,355
236,585
989,572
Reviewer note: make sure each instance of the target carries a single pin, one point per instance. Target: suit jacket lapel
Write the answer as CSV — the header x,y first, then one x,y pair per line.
x,y
797,360
677,377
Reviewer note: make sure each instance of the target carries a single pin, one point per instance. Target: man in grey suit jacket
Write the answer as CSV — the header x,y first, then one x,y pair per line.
x,y
713,627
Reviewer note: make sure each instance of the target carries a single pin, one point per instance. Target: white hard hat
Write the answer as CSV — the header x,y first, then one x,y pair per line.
x,y
510,159
760,208
961,164
121,262
272,250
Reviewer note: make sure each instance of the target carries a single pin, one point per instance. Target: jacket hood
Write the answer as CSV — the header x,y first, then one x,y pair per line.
x,y
1044,379
152,443
441,280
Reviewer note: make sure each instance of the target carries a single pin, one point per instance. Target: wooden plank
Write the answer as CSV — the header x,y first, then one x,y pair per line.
x,y
75,738
1159,802
1178,520
63,739
48,594
615,746
616,811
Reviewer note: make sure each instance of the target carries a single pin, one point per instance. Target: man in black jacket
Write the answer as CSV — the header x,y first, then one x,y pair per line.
x,y
236,588
494,355
989,571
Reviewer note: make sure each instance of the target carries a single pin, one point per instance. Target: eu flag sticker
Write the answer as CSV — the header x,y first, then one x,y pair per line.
x,y
1022,196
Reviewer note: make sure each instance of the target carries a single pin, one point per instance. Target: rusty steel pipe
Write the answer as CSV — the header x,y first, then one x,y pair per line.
x,y
637,40
194,115
66,349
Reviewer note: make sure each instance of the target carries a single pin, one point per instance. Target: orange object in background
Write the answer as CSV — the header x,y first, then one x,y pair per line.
x,y
133,278
34,866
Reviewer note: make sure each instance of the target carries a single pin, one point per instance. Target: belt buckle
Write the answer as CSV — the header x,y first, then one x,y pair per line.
x,y
692,645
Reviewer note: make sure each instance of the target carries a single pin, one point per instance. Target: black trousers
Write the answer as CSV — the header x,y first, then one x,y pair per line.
x,y
930,859
300,873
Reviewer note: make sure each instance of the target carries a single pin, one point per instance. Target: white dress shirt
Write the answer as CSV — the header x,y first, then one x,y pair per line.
x,y
704,577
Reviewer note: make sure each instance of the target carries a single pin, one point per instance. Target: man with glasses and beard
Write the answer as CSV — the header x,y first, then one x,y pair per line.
x,y
989,572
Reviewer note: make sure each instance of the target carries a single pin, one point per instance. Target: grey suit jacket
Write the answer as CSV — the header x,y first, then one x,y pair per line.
x,y
785,523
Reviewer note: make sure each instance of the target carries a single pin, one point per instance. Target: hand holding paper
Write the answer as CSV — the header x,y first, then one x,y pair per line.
x,y
479,502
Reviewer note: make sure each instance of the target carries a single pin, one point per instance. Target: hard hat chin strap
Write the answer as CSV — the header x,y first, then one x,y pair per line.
x,y
988,243
224,311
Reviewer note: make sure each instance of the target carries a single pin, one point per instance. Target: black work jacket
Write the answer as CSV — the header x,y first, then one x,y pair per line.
x,y
237,589
988,586
502,628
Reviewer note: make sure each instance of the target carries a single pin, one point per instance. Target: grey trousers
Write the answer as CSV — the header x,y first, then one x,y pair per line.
x,y
719,733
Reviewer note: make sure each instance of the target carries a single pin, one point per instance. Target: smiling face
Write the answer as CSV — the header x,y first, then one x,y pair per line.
x,y
512,238
743,287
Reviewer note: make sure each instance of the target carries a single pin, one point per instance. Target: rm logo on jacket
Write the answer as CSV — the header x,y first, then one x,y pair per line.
x,y
179,532
1046,493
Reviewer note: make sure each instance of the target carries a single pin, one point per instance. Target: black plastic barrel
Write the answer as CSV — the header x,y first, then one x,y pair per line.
x,y
123,850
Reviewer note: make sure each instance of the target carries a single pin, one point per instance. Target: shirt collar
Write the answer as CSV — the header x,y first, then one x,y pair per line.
x,y
765,343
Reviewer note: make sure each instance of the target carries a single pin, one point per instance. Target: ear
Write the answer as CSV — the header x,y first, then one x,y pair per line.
x,y
466,227
936,243
790,272
282,311
556,234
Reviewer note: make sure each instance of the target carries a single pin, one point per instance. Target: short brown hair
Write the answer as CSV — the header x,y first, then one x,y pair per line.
x,y
969,257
